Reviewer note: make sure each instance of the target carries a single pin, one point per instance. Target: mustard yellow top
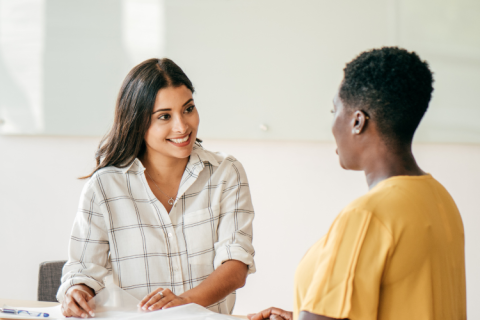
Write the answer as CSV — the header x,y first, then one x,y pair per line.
x,y
395,253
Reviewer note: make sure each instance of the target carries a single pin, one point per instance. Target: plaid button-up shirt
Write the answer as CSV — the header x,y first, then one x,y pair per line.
x,y
122,229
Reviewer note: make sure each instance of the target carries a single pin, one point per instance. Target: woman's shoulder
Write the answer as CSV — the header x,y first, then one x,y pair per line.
x,y
373,199
109,173
223,164
132,166
394,201
215,158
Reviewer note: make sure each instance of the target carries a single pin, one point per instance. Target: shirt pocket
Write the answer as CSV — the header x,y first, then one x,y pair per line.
x,y
200,228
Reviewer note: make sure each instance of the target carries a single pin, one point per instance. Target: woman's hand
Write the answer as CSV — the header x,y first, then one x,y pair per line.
x,y
161,299
75,302
272,314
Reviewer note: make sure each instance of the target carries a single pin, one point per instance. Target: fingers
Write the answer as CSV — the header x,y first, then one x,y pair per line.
x,y
155,297
160,302
271,313
155,301
75,304
264,314
65,312
81,297
174,303
148,297
287,315
255,316
73,310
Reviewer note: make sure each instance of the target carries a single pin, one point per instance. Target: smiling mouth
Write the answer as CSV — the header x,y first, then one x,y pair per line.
x,y
181,140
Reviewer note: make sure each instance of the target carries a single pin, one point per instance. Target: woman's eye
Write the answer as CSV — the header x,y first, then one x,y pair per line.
x,y
189,109
164,117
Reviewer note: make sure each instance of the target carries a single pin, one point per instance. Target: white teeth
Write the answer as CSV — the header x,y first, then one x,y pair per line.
x,y
180,140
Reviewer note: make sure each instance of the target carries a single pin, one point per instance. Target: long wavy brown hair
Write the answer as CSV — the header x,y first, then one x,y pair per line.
x,y
125,140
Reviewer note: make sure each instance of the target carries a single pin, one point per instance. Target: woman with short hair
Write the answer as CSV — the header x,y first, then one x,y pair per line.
x,y
171,221
398,251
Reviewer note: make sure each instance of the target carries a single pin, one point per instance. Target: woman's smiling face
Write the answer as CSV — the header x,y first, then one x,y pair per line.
x,y
173,124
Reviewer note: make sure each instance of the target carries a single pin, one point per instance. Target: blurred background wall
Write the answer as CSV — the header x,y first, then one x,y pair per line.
x,y
265,72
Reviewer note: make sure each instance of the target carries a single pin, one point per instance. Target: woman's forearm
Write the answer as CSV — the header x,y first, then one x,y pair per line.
x,y
230,276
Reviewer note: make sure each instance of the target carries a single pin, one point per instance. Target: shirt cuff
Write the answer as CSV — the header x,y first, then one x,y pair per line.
x,y
93,284
234,252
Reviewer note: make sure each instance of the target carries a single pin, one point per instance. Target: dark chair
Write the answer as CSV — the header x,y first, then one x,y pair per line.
x,y
49,280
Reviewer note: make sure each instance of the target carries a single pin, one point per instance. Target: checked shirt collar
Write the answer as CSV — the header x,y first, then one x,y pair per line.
x,y
196,163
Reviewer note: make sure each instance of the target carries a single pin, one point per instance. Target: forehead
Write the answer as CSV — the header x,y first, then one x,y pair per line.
x,y
172,97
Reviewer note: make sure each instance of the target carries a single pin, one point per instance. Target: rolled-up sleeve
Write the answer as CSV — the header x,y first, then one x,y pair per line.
x,y
88,261
235,232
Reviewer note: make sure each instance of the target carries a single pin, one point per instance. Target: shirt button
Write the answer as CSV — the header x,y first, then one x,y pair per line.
x,y
170,235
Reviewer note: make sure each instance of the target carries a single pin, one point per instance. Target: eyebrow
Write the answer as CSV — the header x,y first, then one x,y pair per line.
x,y
188,101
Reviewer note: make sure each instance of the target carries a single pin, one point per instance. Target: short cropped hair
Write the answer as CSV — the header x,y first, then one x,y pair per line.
x,y
393,86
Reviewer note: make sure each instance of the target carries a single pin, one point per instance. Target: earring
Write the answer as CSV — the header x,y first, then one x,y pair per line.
x,y
357,131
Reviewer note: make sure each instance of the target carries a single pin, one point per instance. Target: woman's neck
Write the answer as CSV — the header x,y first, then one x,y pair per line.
x,y
163,168
387,161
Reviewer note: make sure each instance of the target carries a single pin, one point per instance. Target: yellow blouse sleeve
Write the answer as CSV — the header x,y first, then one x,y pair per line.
x,y
349,267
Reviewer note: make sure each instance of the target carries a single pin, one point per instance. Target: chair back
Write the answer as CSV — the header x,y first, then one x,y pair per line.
x,y
49,277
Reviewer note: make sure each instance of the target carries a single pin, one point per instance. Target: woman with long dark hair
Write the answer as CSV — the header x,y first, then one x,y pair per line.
x,y
171,221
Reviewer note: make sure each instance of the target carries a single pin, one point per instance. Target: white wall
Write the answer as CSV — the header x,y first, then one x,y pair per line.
x,y
288,55
297,189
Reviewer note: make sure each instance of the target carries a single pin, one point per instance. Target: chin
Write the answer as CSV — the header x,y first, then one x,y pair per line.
x,y
181,154
342,164
349,166
184,153
345,164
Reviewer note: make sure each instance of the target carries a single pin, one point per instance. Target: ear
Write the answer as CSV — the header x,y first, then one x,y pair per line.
x,y
359,122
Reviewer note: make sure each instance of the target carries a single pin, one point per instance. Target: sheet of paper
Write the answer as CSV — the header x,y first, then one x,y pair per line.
x,y
186,312
115,303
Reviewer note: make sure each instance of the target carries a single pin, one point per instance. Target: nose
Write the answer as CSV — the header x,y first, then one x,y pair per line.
x,y
180,125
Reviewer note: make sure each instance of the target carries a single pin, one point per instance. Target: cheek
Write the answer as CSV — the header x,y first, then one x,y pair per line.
x,y
341,139
195,120
336,130
156,134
